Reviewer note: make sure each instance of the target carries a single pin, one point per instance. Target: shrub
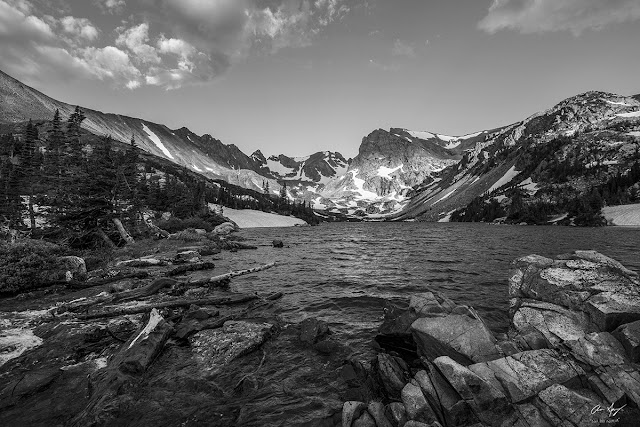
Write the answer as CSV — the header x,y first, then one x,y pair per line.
x,y
207,222
27,264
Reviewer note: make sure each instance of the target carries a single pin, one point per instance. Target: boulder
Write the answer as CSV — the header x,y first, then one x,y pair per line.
x,y
74,268
200,231
416,404
277,244
214,349
608,310
365,420
455,335
453,409
187,256
489,404
225,228
554,322
376,409
392,375
313,330
629,336
431,304
396,412
351,411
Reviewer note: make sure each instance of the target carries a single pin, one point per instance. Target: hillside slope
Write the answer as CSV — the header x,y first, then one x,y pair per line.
x,y
551,158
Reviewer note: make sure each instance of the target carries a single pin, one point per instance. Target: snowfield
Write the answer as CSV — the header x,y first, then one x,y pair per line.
x,y
246,218
508,177
628,215
154,138
629,115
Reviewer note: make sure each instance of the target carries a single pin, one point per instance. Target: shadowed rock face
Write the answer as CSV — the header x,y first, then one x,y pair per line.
x,y
571,351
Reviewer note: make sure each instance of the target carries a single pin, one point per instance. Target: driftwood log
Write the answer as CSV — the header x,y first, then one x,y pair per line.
x,y
114,312
190,267
210,281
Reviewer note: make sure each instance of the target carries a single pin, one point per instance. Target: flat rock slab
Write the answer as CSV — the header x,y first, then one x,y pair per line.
x,y
557,402
598,349
437,336
523,375
216,348
554,322
608,310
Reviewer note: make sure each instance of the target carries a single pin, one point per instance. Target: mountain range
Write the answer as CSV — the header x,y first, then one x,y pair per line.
x,y
398,174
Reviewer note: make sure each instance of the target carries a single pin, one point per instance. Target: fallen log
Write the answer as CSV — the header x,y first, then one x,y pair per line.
x,y
168,304
158,230
108,387
191,267
224,277
74,284
146,291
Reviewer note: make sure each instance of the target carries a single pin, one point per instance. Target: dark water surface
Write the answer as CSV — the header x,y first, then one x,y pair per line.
x,y
343,272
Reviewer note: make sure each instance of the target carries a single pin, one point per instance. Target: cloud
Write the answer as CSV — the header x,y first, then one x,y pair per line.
x,y
80,28
113,7
401,48
135,39
538,16
166,43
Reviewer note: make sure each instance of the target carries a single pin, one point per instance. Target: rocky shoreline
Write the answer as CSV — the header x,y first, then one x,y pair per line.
x,y
147,347
570,357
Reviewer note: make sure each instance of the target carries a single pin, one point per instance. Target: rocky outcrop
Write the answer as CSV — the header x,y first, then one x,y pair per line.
x,y
570,357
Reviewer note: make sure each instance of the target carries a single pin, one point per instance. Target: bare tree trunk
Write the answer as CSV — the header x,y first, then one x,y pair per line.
x,y
123,232
216,279
158,230
106,238
32,215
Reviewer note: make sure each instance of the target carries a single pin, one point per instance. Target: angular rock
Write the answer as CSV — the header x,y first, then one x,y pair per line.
x,y
455,334
488,403
216,348
397,321
608,310
391,374
527,415
365,420
278,244
453,409
622,379
413,423
396,413
430,304
555,323
559,402
351,411
559,369
313,330
629,336
416,404
376,409
598,349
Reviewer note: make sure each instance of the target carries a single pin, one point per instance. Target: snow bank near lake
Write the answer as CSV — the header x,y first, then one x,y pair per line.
x,y
628,215
246,218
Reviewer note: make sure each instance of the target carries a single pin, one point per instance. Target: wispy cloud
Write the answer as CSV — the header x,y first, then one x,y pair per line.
x,y
402,48
537,16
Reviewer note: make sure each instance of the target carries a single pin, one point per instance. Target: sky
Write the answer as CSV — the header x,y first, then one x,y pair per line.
x,y
301,76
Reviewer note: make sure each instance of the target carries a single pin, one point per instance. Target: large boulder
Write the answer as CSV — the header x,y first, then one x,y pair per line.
x,y
454,335
416,404
392,375
488,403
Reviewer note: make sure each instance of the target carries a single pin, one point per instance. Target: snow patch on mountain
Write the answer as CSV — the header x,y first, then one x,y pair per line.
x,y
154,138
624,104
278,168
508,177
386,172
420,134
359,183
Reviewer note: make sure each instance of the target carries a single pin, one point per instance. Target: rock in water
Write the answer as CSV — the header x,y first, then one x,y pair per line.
x,y
216,348
313,330
278,244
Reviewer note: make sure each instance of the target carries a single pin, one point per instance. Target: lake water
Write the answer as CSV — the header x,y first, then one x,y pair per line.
x,y
342,273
